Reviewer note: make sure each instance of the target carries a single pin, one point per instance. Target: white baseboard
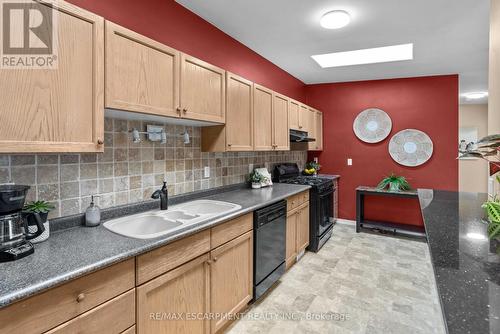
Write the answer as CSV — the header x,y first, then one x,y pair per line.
x,y
345,222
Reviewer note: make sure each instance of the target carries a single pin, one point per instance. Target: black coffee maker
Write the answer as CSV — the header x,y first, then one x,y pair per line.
x,y
14,233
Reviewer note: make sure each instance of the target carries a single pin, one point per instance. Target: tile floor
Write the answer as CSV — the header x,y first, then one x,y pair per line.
x,y
359,283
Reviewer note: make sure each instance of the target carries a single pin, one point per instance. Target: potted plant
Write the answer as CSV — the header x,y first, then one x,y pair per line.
x,y
255,179
312,168
394,183
42,208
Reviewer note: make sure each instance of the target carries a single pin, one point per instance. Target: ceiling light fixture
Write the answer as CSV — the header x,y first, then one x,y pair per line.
x,y
335,19
366,56
475,95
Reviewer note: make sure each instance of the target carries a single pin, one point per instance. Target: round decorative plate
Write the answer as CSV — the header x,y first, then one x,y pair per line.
x,y
411,147
372,125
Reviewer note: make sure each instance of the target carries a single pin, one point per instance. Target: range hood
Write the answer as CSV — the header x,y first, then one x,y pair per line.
x,y
297,136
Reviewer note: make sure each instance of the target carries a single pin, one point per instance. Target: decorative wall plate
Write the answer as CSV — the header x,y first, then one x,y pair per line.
x,y
411,147
372,125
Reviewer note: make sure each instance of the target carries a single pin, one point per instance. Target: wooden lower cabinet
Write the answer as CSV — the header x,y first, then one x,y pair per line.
x,y
302,227
297,227
291,238
231,279
177,301
112,317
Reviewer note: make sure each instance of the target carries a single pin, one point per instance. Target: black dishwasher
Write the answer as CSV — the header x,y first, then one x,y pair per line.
x,y
269,246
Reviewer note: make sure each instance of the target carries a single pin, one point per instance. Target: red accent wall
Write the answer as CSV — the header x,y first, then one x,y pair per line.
x,y
170,23
429,104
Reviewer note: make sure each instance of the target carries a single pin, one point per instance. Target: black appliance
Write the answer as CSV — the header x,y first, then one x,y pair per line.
x,y
13,223
269,247
321,197
297,136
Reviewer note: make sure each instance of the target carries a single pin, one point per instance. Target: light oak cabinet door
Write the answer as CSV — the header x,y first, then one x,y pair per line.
x,y
319,130
231,277
239,114
58,109
202,90
293,115
182,291
313,130
304,117
263,118
281,130
142,75
291,238
303,227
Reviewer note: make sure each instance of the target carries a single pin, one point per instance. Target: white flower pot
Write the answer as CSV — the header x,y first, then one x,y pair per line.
x,y
256,185
42,237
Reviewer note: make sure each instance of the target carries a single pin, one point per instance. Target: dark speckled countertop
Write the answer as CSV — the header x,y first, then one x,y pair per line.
x,y
466,264
73,252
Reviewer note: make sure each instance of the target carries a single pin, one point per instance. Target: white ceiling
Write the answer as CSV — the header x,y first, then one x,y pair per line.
x,y
449,36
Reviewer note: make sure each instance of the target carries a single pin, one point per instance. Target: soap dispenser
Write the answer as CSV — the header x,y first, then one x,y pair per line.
x,y
92,214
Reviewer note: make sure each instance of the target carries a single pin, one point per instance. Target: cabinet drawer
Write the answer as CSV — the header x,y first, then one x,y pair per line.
x,y
292,202
166,258
112,317
230,230
51,308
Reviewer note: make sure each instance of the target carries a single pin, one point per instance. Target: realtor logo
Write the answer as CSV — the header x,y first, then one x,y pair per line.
x,y
28,35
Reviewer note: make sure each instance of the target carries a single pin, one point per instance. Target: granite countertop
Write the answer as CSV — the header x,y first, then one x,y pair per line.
x,y
73,252
387,191
466,264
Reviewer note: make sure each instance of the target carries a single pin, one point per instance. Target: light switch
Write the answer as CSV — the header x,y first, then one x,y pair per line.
x,y
206,171
349,162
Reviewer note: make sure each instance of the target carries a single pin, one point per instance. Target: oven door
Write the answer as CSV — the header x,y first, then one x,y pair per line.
x,y
325,201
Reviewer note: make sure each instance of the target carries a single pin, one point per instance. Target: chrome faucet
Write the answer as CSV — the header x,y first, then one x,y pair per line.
x,y
162,194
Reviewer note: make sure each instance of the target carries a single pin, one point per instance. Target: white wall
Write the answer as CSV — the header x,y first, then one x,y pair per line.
x,y
473,174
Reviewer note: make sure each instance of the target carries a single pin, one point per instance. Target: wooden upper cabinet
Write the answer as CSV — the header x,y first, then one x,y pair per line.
x,y
142,75
312,129
231,278
58,109
281,131
182,291
304,116
319,130
293,115
202,90
263,118
239,114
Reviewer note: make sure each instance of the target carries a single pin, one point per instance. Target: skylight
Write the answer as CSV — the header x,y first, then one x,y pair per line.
x,y
366,56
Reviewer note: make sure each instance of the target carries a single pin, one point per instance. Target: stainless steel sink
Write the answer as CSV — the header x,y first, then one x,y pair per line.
x,y
158,223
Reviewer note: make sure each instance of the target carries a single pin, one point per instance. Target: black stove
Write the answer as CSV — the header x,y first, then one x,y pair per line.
x,y
320,202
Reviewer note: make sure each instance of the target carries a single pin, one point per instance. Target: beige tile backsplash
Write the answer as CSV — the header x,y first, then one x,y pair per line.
x,y
127,172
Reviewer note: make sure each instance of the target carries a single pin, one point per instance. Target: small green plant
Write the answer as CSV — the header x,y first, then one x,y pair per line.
x,y
38,207
492,208
394,183
255,177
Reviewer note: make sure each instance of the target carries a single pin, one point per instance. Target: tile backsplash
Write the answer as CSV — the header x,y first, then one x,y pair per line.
x,y
129,172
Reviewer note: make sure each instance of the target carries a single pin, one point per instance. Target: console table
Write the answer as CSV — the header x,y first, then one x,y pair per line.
x,y
361,192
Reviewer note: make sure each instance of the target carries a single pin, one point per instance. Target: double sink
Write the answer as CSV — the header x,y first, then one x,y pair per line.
x,y
158,223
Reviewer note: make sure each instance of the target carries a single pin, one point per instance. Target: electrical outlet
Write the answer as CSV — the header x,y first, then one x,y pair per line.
x,y
250,168
316,159
206,171
349,162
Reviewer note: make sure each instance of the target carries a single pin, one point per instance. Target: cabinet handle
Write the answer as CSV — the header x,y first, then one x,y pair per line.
x,y
209,262
178,109
185,110
100,141
80,297
215,259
